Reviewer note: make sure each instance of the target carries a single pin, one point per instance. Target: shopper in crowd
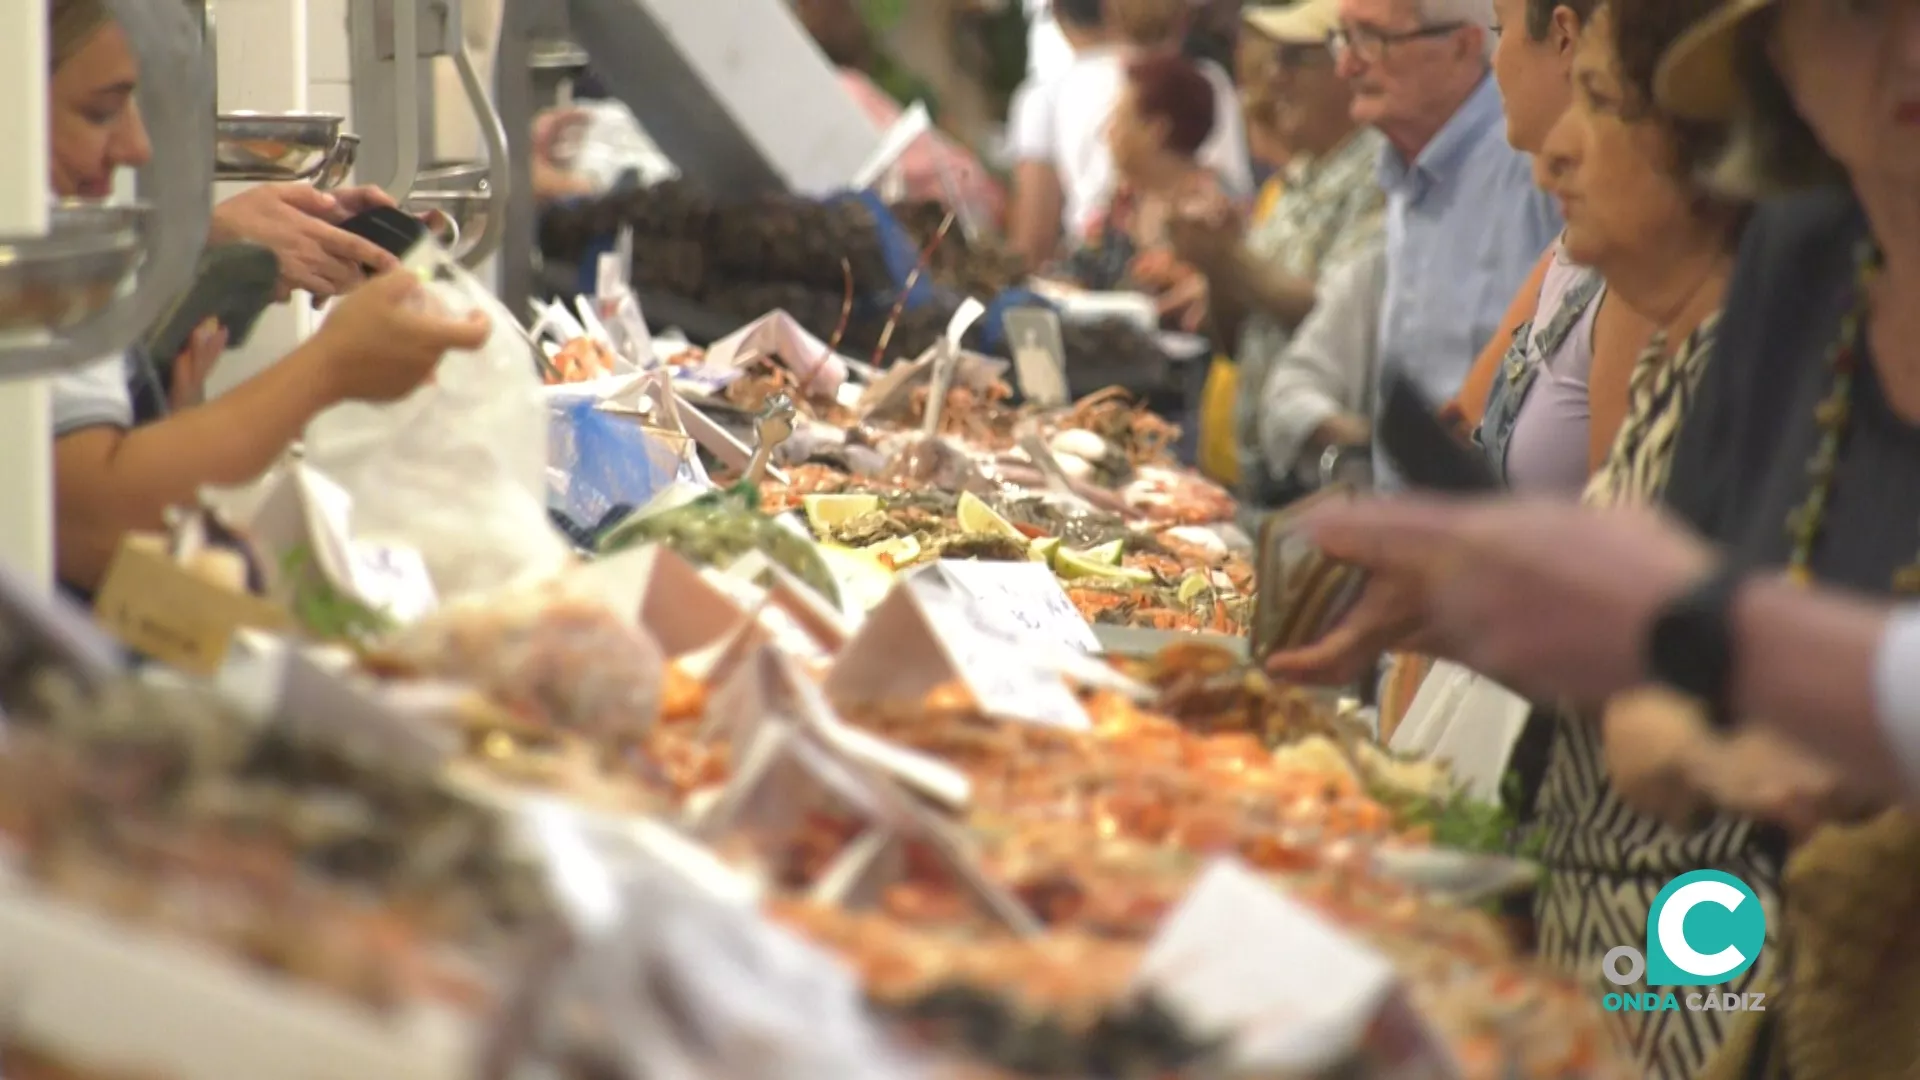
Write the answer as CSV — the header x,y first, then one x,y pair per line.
x,y
1623,171
1419,73
1261,274
1058,128
1562,601
1163,117
1802,452
934,168
109,478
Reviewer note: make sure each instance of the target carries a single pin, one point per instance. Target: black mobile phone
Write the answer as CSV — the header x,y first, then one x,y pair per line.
x,y
396,231
1420,445
234,284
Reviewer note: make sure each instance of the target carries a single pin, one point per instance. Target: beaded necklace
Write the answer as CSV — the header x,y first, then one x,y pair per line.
x,y
1834,416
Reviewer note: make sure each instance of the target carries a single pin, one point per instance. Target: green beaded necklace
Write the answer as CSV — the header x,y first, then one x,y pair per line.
x,y
1834,416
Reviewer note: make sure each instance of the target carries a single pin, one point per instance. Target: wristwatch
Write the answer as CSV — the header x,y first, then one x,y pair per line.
x,y
1343,462
1690,647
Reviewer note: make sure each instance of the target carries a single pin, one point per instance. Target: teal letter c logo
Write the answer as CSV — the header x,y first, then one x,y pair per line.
x,y
1705,928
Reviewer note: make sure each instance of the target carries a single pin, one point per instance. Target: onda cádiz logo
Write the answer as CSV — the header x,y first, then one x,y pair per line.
x,y
1705,929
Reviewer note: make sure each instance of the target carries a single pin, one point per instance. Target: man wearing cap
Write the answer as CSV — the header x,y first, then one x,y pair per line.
x,y
1262,275
1464,222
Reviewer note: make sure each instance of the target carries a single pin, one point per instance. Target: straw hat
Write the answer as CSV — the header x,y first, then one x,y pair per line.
x,y
1308,22
1697,79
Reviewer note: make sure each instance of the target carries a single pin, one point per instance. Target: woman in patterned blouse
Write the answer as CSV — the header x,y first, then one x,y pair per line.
x,y
1622,171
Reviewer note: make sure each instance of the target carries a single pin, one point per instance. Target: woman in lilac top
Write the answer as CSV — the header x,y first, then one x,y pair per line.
x,y
1534,430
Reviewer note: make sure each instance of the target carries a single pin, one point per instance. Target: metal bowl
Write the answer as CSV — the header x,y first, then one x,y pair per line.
x,y
53,283
452,200
339,164
274,146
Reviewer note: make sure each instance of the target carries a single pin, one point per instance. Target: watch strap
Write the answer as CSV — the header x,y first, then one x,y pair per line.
x,y
1690,646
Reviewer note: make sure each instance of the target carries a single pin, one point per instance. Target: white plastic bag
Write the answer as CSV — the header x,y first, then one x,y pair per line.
x,y
457,469
1467,720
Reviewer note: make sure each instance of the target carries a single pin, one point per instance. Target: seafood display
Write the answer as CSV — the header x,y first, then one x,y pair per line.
x,y
786,699
339,870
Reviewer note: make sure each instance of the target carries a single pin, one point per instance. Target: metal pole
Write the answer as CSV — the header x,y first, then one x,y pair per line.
x,y
513,98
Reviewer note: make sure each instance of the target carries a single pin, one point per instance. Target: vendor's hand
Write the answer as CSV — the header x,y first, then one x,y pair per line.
x,y
1552,599
195,363
1654,741
300,225
384,339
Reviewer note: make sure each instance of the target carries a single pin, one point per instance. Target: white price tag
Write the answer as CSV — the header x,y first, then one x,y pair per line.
x,y
1039,355
1023,599
392,579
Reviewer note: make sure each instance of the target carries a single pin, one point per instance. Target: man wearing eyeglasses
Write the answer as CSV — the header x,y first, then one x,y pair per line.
x,y
1464,221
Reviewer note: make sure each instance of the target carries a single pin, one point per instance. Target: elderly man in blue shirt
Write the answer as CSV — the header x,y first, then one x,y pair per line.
x,y
1464,226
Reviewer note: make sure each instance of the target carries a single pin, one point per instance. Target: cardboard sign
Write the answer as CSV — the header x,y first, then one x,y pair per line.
x,y
769,684
1039,355
817,371
1025,598
660,592
925,635
157,608
1296,994
306,508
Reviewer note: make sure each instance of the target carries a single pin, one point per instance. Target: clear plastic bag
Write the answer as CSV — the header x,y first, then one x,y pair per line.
x,y
456,469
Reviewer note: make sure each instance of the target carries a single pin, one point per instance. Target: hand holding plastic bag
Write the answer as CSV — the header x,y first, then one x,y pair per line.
x,y
455,468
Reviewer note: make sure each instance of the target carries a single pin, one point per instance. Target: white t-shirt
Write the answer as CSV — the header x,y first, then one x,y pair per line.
x,y
1048,53
1065,121
93,396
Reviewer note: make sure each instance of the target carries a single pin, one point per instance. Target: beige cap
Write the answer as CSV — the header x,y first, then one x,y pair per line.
x,y
1697,79
1308,22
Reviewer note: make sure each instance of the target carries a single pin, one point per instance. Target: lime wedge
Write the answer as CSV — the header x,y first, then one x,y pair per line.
x,y
977,517
824,512
1043,549
1194,586
1072,565
896,553
1108,553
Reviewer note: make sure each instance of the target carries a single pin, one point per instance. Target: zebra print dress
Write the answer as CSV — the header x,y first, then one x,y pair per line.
x,y
1607,861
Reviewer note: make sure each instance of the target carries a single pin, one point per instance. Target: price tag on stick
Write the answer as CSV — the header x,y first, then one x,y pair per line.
x,y
1039,355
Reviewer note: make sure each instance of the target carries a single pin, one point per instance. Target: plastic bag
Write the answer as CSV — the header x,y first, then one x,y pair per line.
x,y
601,460
457,469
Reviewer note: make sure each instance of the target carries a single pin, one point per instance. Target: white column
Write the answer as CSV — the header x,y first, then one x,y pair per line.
x,y
26,438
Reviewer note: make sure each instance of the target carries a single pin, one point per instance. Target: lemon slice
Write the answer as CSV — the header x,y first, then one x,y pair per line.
x,y
1108,553
1194,586
1072,565
826,511
896,553
1043,549
977,517
864,580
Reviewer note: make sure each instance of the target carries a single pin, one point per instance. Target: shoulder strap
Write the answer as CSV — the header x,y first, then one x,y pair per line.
x,y
1572,307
